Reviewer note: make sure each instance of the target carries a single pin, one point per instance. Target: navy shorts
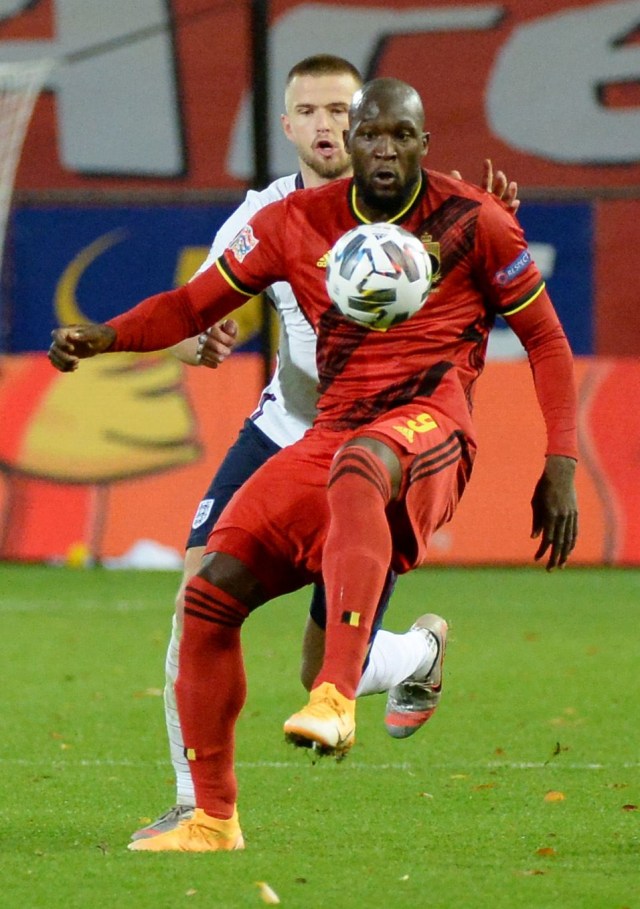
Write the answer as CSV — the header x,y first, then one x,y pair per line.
x,y
249,452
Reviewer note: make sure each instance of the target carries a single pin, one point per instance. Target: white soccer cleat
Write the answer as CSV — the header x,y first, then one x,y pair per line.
x,y
411,703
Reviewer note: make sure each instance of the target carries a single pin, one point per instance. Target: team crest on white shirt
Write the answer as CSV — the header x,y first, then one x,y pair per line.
x,y
203,512
243,243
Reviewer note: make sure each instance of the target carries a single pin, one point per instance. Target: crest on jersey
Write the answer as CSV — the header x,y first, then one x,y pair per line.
x,y
203,512
433,249
243,243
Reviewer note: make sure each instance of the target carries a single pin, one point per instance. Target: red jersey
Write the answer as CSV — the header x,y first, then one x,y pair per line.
x,y
481,268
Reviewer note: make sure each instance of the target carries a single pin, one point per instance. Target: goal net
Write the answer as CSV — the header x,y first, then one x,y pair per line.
x,y
20,85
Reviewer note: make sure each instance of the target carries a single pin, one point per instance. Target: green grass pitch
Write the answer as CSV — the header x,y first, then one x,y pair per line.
x,y
521,793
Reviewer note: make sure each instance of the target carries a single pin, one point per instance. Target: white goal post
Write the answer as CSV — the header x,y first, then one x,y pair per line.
x,y
20,85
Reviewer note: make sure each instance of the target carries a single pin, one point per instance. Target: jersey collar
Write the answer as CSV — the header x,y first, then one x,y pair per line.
x,y
403,213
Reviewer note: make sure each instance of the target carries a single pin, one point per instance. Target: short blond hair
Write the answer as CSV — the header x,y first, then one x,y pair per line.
x,y
323,65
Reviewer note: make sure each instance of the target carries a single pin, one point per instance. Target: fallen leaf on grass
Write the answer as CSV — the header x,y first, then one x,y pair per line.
x,y
546,850
268,894
530,872
191,892
405,877
629,807
425,795
484,786
554,796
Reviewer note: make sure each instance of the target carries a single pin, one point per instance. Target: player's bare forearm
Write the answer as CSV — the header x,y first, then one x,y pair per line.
x,y
555,511
210,348
73,343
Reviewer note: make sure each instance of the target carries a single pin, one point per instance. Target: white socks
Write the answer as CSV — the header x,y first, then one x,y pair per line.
x,y
395,657
185,794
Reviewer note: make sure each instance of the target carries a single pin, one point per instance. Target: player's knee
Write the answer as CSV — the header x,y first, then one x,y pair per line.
x,y
233,577
179,602
372,460
192,560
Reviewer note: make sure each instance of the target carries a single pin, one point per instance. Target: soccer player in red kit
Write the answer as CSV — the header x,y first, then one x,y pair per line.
x,y
392,447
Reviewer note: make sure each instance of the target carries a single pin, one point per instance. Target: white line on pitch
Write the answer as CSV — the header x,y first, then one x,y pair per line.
x,y
351,764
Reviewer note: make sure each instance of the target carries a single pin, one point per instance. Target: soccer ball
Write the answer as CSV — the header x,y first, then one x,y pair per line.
x,y
378,275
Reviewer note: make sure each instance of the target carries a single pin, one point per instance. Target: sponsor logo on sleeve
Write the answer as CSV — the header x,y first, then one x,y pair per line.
x,y
243,243
507,274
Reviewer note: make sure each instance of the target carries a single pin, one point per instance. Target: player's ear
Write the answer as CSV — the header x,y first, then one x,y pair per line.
x,y
286,126
425,143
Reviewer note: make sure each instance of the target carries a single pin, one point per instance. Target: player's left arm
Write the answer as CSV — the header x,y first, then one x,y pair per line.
x,y
554,502
518,292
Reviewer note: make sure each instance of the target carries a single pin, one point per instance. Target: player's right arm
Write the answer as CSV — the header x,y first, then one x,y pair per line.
x,y
166,318
212,347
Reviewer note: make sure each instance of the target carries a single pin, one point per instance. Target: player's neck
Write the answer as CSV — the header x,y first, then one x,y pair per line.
x,y
311,180
365,203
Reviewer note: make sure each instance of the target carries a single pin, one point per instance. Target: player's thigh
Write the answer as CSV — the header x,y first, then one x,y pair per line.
x,y
248,453
277,522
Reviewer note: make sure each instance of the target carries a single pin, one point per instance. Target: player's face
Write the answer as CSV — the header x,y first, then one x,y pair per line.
x,y
316,117
387,144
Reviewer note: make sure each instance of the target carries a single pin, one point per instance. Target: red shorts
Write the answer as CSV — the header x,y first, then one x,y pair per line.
x,y
276,524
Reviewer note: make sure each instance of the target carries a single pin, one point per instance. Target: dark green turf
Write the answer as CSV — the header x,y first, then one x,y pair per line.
x,y
541,695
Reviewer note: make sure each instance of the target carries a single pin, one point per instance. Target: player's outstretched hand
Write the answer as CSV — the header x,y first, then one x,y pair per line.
x,y
503,189
73,343
216,343
555,511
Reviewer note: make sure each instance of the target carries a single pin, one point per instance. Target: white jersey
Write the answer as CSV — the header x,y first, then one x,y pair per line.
x,y
287,405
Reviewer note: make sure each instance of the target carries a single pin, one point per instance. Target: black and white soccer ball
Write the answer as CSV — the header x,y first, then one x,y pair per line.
x,y
378,275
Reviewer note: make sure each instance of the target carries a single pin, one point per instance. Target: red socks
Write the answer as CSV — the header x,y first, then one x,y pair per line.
x,y
356,560
210,692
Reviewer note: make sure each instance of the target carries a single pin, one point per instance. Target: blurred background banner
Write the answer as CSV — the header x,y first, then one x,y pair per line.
x,y
157,92
113,466
141,142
